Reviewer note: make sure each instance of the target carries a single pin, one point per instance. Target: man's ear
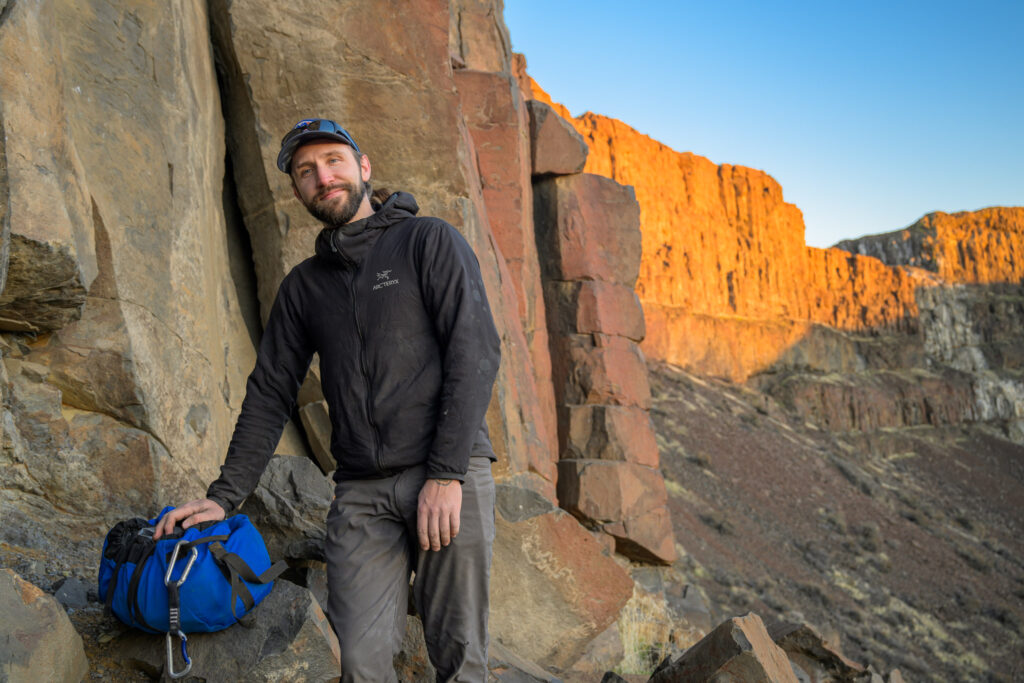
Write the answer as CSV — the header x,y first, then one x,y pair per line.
x,y
364,167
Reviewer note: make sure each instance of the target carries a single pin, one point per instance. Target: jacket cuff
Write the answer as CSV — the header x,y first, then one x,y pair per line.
x,y
222,502
457,476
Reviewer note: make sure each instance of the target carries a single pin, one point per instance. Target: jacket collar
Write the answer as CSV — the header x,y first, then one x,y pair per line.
x,y
349,243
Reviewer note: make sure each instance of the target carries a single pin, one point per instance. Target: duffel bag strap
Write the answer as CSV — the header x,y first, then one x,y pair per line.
x,y
133,589
239,569
188,545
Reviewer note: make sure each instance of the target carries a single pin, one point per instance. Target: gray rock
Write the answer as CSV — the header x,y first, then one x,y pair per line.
x,y
37,640
287,639
72,592
515,504
290,507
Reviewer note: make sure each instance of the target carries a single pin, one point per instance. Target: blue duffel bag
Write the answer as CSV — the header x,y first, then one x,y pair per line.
x,y
193,580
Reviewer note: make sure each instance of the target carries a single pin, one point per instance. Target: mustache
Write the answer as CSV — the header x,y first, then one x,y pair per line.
x,y
349,187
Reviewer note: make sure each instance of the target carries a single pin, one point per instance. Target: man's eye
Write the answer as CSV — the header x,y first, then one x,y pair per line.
x,y
304,173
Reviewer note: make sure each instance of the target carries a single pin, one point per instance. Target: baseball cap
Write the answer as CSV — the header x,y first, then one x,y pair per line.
x,y
308,130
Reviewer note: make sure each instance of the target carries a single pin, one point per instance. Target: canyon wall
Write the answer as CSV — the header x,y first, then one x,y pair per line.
x,y
729,289
725,258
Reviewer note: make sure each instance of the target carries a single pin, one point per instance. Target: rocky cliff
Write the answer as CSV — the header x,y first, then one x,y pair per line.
x,y
729,289
146,230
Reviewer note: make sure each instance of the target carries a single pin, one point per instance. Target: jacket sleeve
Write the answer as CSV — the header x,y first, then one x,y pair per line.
x,y
454,294
281,364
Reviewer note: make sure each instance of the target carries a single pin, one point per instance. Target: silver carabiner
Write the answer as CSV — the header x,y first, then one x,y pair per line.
x,y
184,653
174,558
172,587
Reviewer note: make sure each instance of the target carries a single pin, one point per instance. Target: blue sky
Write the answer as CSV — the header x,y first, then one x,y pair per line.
x,y
870,114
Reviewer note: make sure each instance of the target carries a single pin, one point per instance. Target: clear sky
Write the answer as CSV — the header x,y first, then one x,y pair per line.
x,y
869,114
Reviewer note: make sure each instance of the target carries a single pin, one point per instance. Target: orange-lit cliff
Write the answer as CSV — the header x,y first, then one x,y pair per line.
x,y
727,283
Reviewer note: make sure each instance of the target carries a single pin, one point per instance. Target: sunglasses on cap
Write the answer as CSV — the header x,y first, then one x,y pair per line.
x,y
307,130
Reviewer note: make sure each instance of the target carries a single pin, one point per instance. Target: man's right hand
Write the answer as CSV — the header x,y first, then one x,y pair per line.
x,y
189,514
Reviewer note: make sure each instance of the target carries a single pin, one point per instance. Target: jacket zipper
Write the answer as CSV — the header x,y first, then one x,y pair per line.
x,y
357,269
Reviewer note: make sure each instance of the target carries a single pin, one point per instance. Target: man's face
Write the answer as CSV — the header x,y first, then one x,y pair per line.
x,y
330,182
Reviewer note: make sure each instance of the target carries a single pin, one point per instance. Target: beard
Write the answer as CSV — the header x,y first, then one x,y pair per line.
x,y
332,213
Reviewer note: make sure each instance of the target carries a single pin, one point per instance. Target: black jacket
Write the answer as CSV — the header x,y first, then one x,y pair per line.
x,y
396,308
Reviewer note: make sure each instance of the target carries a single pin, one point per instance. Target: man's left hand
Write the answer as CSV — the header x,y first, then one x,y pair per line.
x,y
437,518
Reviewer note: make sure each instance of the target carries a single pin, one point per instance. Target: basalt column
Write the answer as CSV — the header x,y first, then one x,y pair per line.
x,y
588,237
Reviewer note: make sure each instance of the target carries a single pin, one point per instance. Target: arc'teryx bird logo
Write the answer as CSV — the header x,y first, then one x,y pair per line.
x,y
384,280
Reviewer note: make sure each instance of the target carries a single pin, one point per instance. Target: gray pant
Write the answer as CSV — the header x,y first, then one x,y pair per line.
x,y
372,548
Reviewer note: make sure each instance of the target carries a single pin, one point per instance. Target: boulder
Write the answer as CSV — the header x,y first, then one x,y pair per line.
x,y
812,655
5,201
72,592
86,470
516,503
739,649
605,652
285,638
37,640
552,591
290,506
555,146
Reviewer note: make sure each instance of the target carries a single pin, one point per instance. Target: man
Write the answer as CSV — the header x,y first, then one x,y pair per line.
x,y
395,306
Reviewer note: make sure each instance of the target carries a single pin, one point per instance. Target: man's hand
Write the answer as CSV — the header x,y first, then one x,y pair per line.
x,y
437,517
189,514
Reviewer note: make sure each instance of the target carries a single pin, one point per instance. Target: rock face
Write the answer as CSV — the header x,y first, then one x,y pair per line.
x,y
969,247
114,166
146,229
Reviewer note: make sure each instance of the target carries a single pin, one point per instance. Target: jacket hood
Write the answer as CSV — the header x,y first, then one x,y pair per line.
x,y
350,242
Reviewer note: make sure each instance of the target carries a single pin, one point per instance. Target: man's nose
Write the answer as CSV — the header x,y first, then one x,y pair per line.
x,y
323,176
